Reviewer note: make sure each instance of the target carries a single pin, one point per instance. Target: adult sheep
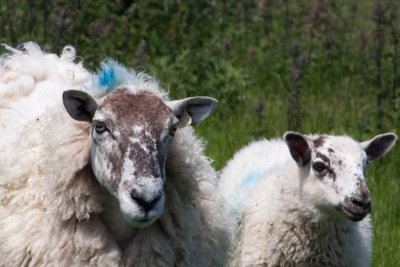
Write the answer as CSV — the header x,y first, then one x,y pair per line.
x,y
121,183
302,201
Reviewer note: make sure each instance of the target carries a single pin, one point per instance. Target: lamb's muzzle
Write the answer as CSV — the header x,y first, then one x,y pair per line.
x,y
356,208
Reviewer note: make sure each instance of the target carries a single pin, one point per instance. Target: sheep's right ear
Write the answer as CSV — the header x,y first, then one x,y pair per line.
x,y
79,105
298,147
379,145
192,110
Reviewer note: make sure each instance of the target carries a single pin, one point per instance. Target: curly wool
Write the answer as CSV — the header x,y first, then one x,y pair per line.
x,y
277,223
50,201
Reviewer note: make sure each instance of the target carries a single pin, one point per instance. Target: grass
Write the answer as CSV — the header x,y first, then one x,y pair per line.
x,y
244,53
383,181
338,97
334,115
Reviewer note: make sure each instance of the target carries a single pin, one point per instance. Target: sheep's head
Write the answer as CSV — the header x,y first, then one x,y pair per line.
x,y
131,134
334,166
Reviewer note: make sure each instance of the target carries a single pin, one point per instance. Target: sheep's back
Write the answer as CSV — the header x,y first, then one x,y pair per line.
x,y
248,166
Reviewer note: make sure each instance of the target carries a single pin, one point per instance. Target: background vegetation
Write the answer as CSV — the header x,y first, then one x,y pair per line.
x,y
274,65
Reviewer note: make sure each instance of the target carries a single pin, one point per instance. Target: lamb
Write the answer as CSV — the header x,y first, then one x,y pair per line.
x,y
302,201
107,174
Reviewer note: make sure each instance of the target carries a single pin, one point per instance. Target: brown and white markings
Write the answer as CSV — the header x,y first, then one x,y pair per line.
x,y
338,163
131,133
303,200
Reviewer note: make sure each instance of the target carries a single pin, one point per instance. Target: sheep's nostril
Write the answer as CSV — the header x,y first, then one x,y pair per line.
x,y
146,205
366,205
357,202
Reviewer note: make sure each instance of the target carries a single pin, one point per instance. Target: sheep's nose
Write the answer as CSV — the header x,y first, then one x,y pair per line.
x,y
356,207
364,203
145,204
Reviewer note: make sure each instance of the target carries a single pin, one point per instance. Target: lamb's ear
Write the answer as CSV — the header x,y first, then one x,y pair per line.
x,y
79,105
192,110
298,147
379,145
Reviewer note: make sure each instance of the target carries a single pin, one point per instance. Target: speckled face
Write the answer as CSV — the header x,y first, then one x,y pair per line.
x,y
338,163
131,131
131,135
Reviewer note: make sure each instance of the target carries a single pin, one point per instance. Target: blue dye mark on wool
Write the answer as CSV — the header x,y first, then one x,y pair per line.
x,y
251,179
107,79
112,75
239,194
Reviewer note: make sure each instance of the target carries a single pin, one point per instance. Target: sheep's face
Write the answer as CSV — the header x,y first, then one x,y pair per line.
x,y
333,167
131,134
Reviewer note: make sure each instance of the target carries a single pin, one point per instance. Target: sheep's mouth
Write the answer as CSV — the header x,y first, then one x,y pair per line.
x,y
143,219
355,214
141,222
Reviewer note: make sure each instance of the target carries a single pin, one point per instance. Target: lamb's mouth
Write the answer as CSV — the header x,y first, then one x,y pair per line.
x,y
355,215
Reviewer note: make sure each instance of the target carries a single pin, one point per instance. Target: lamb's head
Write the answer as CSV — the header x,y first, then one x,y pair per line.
x,y
131,134
333,166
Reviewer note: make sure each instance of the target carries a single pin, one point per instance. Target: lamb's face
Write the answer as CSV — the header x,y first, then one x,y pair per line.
x,y
338,163
334,166
131,135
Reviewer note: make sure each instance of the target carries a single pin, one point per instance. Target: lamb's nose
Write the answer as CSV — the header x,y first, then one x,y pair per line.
x,y
364,203
146,205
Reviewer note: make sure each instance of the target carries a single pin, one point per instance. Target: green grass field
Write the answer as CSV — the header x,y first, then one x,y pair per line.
x,y
311,66
228,134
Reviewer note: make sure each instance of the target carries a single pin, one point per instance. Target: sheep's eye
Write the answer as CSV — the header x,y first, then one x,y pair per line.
x,y
173,129
100,127
319,166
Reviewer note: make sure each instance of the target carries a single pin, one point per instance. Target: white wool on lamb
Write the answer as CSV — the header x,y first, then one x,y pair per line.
x,y
302,201
53,210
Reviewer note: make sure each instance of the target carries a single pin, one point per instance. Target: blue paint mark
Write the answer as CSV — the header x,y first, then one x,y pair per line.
x,y
251,179
107,78
112,75
239,194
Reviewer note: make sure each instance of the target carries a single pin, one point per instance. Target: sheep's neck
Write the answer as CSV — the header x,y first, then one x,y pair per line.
x,y
114,220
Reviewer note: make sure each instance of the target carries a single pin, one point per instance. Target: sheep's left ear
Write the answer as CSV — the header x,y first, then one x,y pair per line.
x,y
79,105
192,110
299,147
379,145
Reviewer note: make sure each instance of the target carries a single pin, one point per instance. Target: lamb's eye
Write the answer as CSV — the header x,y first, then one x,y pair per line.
x,y
173,129
100,127
319,166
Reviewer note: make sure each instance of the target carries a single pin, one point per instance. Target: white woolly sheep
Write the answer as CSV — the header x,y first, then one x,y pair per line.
x,y
302,201
124,184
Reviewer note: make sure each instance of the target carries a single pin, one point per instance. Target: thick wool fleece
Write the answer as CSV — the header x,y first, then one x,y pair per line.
x,y
279,222
32,81
50,200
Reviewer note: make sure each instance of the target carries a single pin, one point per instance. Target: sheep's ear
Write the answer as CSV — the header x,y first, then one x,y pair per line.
x,y
379,145
79,105
298,147
192,110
